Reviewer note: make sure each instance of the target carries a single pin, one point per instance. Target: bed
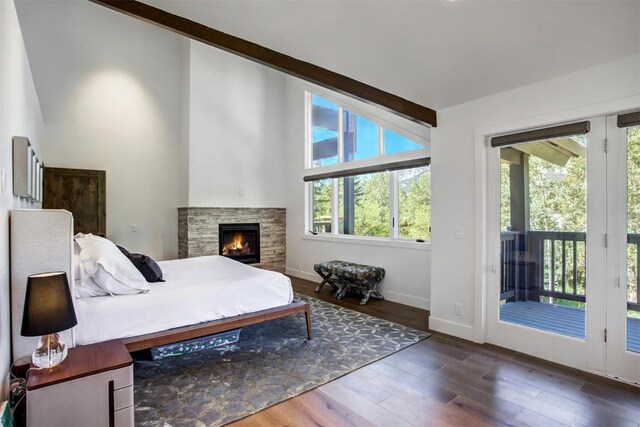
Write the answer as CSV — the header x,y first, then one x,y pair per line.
x,y
200,296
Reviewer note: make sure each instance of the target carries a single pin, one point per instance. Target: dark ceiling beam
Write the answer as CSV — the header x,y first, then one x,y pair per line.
x,y
270,58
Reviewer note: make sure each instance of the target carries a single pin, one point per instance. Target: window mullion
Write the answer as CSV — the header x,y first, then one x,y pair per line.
x,y
308,195
335,214
308,149
380,141
393,204
340,135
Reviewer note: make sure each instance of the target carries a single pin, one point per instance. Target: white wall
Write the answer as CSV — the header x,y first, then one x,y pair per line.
x,y
173,122
19,115
183,167
110,88
236,131
457,273
407,268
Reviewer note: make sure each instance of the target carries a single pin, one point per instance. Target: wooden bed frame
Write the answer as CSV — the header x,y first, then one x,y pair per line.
x,y
143,342
42,240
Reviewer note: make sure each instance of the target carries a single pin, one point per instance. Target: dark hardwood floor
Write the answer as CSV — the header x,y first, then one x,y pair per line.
x,y
392,311
445,381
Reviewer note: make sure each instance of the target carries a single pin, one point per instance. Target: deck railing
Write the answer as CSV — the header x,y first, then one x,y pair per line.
x,y
509,271
561,263
553,264
633,242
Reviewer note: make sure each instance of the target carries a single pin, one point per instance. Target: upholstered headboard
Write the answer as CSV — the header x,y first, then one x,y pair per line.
x,y
41,241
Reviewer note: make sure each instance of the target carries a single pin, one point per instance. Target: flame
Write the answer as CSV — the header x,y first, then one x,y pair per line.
x,y
235,246
237,242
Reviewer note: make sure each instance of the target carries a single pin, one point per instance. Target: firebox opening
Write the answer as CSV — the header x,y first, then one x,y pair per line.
x,y
240,242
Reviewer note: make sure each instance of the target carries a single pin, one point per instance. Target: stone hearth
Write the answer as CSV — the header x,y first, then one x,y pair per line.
x,y
198,232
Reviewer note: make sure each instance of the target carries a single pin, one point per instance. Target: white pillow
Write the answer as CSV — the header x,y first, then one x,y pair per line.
x,y
89,288
84,285
109,268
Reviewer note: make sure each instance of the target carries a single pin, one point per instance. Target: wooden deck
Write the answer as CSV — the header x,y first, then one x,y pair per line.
x,y
560,319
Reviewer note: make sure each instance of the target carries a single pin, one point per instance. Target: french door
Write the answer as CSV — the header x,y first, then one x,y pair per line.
x,y
561,253
623,258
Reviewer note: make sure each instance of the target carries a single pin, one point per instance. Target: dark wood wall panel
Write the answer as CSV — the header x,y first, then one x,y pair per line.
x,y
80,191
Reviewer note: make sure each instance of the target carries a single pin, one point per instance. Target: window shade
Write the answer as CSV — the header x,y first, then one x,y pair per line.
x,y
578,128
404,164
629,119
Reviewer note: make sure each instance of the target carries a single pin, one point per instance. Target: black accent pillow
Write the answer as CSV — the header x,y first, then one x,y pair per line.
x,y
147,266
123,250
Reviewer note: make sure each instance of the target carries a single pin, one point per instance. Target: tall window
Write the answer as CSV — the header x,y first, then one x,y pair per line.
x,y
321,205
378,179
363,204
414,203
324,132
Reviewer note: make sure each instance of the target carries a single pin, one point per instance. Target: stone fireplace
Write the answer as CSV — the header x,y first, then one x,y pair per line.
x,y
199,233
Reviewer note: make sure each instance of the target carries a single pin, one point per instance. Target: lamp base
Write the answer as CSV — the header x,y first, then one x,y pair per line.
x,y
51,351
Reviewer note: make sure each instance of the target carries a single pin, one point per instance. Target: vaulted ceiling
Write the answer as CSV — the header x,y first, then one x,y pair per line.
x,y
434,52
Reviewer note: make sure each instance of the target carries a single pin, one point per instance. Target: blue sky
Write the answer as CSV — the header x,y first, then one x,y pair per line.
x,y
366,136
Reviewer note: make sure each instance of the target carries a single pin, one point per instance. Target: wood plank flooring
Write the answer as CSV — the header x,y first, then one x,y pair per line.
x,y
445,381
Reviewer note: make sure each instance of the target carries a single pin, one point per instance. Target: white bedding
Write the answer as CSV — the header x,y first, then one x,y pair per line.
x,y
196,290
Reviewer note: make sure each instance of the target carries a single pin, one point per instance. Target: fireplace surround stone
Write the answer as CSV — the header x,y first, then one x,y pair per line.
x,y
198,232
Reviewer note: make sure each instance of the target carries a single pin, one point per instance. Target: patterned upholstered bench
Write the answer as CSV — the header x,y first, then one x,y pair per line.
x,y
344,276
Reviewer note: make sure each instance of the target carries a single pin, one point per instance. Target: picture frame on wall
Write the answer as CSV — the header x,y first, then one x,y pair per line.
x,y
28,171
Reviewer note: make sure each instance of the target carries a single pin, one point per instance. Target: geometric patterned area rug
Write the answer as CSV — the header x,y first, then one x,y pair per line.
x,y
272,362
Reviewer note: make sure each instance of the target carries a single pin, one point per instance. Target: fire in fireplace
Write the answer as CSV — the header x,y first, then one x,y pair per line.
x,y
240,242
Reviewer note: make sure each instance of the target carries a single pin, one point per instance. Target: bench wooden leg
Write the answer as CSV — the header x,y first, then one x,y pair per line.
x,y
370,293
367,295
325,279
341,292
321,285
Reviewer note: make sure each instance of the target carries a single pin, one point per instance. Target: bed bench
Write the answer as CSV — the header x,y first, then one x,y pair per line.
x,y
344,276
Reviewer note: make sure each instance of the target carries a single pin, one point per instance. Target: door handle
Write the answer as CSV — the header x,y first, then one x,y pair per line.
x,y
112,414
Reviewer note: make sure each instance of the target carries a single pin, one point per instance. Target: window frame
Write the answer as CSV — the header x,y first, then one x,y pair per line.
x,y
393,238
382,124
394,208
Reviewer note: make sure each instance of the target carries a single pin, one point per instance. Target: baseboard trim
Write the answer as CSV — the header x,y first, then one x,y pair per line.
x,y
313,277
451,328
405,299
398,297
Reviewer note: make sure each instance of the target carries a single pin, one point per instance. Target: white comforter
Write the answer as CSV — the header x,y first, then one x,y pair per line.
x,y
196,290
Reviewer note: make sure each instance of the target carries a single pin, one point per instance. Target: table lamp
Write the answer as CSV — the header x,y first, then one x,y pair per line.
x,y
48,309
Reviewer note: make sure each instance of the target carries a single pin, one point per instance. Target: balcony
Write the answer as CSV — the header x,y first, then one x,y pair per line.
x,y
543,282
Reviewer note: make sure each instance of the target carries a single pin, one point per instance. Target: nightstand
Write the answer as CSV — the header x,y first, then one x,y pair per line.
x,y
93,386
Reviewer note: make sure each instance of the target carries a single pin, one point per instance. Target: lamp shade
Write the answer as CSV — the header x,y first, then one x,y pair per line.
x,y
48,306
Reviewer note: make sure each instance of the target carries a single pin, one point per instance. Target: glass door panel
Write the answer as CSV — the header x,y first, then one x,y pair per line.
x,y
632,258
543,225
623,310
